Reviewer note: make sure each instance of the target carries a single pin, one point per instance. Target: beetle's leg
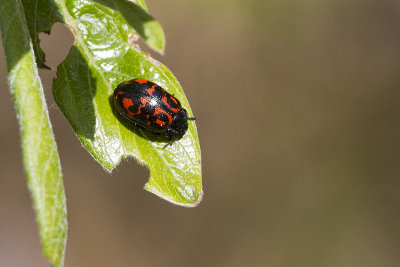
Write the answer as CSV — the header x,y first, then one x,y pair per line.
x,y
191,118
169,142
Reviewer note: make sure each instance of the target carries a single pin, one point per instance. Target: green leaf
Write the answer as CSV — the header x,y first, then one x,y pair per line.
x,y
39,149
40,16
101,59
135,15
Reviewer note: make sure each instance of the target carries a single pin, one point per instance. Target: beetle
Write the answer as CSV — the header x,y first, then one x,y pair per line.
x,y
148,105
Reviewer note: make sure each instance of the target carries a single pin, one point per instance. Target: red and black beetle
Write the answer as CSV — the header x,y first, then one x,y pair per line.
x,y
148,105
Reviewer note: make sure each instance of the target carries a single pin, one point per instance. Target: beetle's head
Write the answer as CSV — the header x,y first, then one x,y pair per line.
x,y
179,125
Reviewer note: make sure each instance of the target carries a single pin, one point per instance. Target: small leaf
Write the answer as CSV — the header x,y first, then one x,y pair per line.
x,y
39,149
136,16
101,59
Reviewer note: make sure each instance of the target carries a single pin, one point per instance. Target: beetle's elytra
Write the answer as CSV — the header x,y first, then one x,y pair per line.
x,y
148,105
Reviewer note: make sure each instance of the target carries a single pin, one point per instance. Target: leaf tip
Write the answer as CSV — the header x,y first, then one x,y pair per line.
x,y
187,204
199,199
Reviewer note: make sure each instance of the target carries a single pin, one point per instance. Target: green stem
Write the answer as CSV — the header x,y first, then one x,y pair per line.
x,y
40,155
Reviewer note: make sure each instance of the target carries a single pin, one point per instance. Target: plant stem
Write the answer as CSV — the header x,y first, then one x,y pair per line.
x,y
40,155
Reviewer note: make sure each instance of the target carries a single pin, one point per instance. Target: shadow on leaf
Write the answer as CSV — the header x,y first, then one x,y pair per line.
x,y
133,14
73,91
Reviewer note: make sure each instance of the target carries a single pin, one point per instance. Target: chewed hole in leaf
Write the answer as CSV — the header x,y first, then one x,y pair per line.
x,y
57,44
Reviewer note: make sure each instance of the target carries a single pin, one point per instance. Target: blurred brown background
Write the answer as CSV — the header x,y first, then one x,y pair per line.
x,y
297,107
